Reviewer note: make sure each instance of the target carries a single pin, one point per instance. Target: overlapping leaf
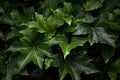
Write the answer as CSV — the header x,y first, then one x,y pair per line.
x,y
30,53
107,53
89,4
97,34
66,48
74,65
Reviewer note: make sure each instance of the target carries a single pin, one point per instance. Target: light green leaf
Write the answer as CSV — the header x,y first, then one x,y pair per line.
x,y
107,53
27,34
66,48
48,63
40,19
68,19
68,6
92,4
117,11
112,75
100,34
58,39
36,25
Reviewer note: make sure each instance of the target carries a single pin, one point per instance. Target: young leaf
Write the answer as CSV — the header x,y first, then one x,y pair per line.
x,y
112,75
27,34
92,4
66,48
58,39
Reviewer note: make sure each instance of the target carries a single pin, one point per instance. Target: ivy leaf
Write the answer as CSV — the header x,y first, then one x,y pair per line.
x,y
89,4
74,65
27,34
40,19
114,26
112,75
67,19
66,48
10,68
58,39
48,63
81,29
30,53
9,72
115,66
29,13
107,53
1,35
97,34
17,17
100,34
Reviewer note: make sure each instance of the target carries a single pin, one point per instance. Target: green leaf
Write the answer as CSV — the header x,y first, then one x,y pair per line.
x,y
36,25
9,68
114,26
68,6
10,71
112,75
48,63
40,19
58,39
66,48
68,19
17,17
1,34
29,13
107,53
30,53
27,34
81,29
74,65
92,4
100,34
117,11
115,66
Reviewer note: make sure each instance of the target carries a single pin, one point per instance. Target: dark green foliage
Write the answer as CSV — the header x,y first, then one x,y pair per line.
x,y
59,40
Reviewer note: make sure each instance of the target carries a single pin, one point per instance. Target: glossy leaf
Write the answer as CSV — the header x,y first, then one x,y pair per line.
x,y
31,53
27,34
112,75
107,53
74,65
99,34
82,29
66,48
89,4
58,39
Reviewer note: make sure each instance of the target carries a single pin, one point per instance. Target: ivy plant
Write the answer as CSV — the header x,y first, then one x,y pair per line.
x,y
59,39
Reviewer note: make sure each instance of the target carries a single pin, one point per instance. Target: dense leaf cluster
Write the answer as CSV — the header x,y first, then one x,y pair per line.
x,y
59,39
